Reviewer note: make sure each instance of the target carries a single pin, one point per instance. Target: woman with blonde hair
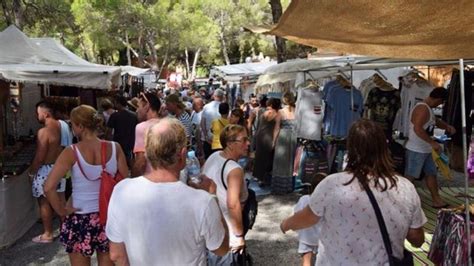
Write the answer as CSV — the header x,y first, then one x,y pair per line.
x,y
81,231
228,175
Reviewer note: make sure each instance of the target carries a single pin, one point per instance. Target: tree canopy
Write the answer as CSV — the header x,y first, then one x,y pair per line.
x,y
149,33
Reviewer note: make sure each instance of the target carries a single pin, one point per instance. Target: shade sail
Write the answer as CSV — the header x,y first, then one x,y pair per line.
x,y
395,28
44,60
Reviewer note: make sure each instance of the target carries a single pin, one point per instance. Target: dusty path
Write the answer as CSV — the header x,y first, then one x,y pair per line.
x,y
267,245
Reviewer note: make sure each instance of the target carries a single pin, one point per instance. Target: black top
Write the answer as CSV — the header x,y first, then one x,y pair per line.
x,y
124,122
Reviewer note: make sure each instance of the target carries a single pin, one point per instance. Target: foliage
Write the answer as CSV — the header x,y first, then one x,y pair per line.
x,y
149,33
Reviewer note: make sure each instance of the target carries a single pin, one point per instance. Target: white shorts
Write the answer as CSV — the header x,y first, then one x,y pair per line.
x,y
40,178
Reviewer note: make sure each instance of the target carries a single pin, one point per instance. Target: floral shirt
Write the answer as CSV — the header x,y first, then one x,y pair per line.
x,y
350,233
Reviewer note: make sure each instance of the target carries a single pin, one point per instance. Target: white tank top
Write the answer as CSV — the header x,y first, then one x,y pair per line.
x,y
414,142
85,193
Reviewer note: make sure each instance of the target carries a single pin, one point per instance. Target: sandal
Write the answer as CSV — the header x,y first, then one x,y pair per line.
x,y
41,240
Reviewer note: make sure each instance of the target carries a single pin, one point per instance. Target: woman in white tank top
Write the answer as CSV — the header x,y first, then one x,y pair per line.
x,y
81,232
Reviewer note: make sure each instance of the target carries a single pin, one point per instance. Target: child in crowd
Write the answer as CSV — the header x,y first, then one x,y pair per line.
x,y
308,238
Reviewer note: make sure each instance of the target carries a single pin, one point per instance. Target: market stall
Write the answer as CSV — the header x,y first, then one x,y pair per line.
x,y
434,30
242,75
30,70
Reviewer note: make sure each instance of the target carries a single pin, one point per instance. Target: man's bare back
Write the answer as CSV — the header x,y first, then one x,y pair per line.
x,y
50,135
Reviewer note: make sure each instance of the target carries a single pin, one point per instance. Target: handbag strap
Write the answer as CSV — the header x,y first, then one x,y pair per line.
x,y
381,222
222,173
79,162
103,152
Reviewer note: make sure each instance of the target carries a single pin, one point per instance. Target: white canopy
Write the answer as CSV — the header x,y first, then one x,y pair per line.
x,y
237,71
298,70
134,71
44,60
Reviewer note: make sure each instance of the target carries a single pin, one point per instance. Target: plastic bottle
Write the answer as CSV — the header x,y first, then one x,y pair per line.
x,y
193,168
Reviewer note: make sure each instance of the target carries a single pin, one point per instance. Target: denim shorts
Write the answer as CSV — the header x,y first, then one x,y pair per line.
x,y
416,162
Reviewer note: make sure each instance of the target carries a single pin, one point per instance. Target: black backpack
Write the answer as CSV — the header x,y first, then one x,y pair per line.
x,y
250,209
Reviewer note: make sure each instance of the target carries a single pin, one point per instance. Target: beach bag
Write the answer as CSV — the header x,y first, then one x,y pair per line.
x,y
250,208
107,182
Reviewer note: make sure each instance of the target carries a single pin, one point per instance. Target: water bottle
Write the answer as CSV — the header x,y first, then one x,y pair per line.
x,y
193,168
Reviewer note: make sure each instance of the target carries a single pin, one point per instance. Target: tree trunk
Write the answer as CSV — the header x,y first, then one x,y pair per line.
x,y
129,56
18,12
135,52
154,56
6,13
196,57
165,59
186,55
277,11
222,39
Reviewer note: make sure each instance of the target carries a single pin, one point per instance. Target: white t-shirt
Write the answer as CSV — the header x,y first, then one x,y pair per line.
x,y
164,223
309,114
209,113
350,234
308,236
212,169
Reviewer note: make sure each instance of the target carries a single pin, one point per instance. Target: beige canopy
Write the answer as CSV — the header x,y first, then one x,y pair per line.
x,y
389,28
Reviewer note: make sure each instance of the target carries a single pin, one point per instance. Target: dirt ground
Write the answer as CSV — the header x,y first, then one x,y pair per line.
x,y
266,244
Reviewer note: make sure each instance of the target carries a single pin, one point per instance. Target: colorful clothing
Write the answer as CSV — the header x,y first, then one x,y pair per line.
x,y
40,178
83,233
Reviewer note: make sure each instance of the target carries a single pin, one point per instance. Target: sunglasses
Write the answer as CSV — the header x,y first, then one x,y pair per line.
x,y
244,139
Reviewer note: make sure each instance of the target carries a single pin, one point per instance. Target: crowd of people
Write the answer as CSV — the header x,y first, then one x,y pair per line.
x,y
148,138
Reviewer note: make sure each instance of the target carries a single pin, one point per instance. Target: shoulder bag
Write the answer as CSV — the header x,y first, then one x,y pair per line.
x,y
393,261
107,181
250,208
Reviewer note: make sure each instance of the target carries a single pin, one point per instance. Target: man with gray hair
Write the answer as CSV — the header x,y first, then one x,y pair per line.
x,y
209,113
149,223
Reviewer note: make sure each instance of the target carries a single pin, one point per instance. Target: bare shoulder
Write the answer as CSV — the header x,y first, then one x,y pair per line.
x,y
43,134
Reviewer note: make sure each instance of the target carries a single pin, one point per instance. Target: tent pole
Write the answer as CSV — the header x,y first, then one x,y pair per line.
x,y
352,95
464,146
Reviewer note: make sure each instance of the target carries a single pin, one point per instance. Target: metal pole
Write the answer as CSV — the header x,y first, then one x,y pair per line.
x,y
352,96
464,147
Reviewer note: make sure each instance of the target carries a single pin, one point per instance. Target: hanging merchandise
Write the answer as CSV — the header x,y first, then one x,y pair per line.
x,y
309,113
374,81
313,161
470,162
449,244
382,107
345,104
452,108
327,112
414,89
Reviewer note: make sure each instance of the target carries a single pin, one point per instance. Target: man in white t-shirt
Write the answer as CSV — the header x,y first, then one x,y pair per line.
x,y
149,223
209,113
